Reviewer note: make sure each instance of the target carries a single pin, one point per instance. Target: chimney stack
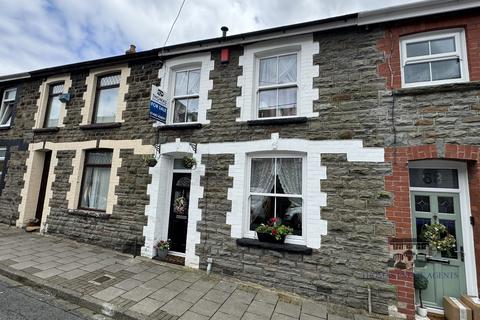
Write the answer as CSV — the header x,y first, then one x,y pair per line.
x,y
224,31
131,50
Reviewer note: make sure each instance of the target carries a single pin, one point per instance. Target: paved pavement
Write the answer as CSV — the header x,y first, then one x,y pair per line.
x,y
20,302
141,288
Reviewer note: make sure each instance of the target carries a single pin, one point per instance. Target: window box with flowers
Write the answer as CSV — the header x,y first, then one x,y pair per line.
x,y
273,232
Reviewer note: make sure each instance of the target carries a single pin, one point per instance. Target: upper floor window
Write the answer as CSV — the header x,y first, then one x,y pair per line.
x,y
6,108
106,98
186,96
3,151
434,58
96,180
276,191
52,112
277,86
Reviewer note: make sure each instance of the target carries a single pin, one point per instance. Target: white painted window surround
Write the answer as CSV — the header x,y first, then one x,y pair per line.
x,y
167,73
314,199
434,58
305,48
43,99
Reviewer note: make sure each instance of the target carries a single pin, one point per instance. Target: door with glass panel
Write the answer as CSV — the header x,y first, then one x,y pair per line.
x,y
445,270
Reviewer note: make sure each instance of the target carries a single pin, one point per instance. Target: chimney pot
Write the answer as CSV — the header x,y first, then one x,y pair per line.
x,y
224,31
131,50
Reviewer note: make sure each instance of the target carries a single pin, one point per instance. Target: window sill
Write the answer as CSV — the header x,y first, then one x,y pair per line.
x,y
281,247
459,86
46,130
5,128
277,121
187,126
93,126
89,213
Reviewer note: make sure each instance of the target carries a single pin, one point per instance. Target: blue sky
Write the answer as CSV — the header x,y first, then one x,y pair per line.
x,y
43,33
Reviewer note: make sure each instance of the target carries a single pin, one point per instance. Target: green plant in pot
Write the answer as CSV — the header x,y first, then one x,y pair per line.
x,y
420,283
150,160
162,248
273,232
189,162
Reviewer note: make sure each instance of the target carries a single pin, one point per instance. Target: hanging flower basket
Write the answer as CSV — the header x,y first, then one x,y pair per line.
x,y
150,161
180,205
189,162
273,232
438,237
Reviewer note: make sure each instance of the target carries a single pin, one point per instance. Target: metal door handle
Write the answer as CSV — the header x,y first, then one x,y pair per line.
x,y
462,253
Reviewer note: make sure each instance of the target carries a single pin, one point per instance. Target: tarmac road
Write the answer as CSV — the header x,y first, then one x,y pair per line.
x,y
20,302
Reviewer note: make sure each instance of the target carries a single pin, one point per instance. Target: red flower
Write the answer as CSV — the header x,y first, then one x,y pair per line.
x,y
273,220
274,232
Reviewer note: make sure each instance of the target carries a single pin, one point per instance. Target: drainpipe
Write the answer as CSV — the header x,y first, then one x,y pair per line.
x,y
209,266
369,300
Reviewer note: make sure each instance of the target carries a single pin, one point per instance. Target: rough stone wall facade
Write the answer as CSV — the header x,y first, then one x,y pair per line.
x,y
353,104
122,230
16,139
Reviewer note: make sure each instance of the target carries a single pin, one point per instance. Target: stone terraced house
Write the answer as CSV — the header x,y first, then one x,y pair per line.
x,y
355,131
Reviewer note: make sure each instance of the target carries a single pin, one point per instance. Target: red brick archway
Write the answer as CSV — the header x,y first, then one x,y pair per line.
x,y
399,212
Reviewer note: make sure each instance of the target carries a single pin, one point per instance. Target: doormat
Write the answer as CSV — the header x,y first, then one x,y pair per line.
x,y
175,260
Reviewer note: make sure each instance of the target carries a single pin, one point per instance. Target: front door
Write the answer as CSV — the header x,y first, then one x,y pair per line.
x,y
445,270
43,187
177,230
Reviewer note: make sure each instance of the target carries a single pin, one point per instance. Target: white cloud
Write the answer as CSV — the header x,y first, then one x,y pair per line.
x,y
45,33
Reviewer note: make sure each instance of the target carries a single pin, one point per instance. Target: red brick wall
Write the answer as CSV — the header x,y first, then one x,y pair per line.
x,y
390,43
399,212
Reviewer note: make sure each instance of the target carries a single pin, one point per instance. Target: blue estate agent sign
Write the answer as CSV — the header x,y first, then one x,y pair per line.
x,y
158,104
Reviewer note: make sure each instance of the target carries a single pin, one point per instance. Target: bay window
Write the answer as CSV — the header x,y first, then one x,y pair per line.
x,y
277,86
186,96
106,98
96,180
276,191
434,58
6,108
52,112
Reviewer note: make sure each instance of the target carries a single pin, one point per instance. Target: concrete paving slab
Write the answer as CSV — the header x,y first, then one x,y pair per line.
x,y
73,274
289,309
138,293
45,274
128,284
176,307
205,307
109,293
146,306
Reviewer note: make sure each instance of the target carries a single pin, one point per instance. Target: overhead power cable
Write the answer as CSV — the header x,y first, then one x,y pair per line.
x,y
173,24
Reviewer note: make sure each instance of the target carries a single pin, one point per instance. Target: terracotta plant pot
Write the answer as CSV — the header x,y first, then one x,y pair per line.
x,y
267,237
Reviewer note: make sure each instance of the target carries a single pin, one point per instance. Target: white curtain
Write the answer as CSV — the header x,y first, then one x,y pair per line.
x,y
289,172
262,180
181,82
268,71
95,189
287,68
193,81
